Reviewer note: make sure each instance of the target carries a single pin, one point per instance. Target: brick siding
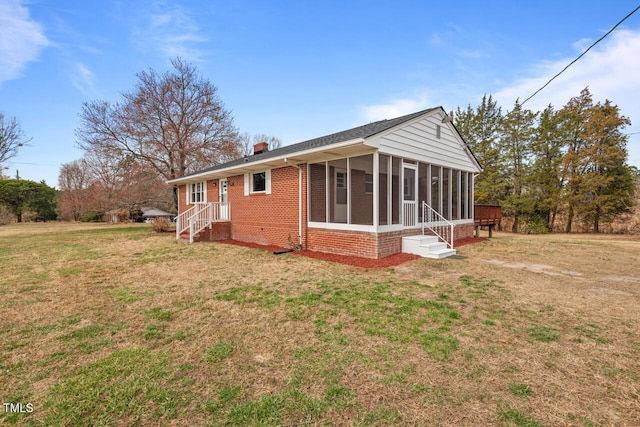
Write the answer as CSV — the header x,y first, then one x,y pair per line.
x,y
272,219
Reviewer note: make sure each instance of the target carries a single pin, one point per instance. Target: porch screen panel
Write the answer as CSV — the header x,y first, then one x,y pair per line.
x,y
318,192
423,187
396,190
435,188
383,178
446,200
470,195
455,192
463,194
338,191
361,189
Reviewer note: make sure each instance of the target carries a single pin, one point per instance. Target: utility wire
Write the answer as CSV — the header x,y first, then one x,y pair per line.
x,y
582,54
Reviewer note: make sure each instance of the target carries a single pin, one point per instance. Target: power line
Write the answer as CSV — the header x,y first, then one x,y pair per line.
x,y
582,54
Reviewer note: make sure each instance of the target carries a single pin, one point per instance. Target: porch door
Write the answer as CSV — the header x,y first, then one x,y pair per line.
x,y
340,195
410,195
224,205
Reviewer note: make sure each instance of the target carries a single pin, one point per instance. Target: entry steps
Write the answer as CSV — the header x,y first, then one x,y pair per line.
x,y
426,247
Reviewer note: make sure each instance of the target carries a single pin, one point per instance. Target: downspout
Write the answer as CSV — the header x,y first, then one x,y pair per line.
x,y
286,160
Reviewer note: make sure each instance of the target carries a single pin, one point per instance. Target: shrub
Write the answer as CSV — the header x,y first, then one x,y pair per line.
x,y
161,225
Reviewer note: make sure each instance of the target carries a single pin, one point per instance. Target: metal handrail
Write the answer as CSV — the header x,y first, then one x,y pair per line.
x,y
437,224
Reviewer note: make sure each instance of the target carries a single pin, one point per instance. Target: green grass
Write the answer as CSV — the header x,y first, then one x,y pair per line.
x,y
121,326
133,382
508,416
219,352
544,333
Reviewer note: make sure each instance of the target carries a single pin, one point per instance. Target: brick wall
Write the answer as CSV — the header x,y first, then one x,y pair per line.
x,y
267,219
217,231
359,243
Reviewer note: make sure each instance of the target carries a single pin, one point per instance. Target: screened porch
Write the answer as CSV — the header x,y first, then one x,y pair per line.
x,y
380,192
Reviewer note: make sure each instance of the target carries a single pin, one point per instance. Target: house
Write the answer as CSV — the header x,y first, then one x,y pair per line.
x,y
371,191
151,214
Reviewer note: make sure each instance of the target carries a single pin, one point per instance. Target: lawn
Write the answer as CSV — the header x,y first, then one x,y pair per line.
x,y
117,325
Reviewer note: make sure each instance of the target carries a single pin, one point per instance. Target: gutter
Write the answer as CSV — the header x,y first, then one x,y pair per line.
x,y
286,160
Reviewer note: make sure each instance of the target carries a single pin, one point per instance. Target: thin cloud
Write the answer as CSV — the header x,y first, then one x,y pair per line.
x,y
83,79
394,108
21,39
610,70
172,31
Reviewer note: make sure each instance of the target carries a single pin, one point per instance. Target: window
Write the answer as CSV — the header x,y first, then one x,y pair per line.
x,y
368,183
197,192
259,182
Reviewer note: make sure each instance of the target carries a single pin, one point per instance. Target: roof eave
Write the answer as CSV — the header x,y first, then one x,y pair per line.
x,y
304,156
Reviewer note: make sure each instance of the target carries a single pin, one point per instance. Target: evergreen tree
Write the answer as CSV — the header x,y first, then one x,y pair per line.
x,y
544,178
20,196
573,117
608,185
481,130
518,134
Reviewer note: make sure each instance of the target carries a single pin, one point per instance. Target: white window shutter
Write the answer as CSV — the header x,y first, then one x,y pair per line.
x,y
188,195
205,191
246,184
267,179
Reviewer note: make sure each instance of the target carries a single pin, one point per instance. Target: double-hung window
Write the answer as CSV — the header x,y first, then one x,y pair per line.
x,y
197,192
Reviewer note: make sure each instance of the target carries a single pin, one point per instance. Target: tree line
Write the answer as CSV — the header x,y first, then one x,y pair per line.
x,y
549,170
552,169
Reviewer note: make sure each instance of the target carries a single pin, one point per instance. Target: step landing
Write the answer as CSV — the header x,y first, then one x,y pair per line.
x,y
426,247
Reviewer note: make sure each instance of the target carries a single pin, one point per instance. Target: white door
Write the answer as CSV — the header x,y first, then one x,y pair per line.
x,y
224,204
340,196
410,196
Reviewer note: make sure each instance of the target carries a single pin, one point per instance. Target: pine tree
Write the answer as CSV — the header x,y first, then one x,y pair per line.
x,y
481,130
544,178
518,134
608,185
573,117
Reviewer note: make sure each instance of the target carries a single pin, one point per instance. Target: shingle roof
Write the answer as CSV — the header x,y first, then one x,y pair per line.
x,y
364,131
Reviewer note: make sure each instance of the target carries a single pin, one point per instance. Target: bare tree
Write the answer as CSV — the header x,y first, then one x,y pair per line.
x,y
11,138
73,181
247,142
173,122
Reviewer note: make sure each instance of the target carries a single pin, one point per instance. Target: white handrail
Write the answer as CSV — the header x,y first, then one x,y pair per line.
x,y
182,222
203,214
437,224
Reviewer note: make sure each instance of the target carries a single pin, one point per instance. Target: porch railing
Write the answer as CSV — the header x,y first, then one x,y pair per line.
x,y
437,224
182,221
200,216
409,213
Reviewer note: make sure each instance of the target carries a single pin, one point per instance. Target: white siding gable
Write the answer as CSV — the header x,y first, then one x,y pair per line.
x,y
417,140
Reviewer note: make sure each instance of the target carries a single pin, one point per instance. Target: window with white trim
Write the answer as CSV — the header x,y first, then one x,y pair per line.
x,y
257,183
197,192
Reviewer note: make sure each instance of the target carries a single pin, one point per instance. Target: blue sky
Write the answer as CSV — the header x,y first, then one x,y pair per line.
x,y
300,69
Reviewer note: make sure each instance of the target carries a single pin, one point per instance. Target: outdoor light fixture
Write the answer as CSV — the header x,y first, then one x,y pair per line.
x,y
214,183
230,183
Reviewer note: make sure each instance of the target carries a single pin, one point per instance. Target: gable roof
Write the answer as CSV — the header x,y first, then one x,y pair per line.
x,y
355,135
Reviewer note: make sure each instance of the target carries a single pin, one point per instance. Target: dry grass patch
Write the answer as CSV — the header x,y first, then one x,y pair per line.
x,y
117,325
